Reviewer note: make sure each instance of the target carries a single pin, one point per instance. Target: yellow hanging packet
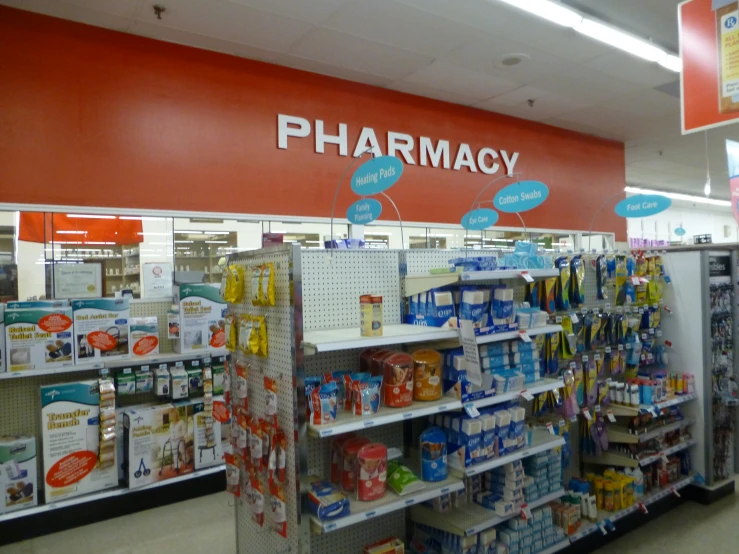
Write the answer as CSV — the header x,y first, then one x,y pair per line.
x,y
231,337
568,342
245,326
262,337
256,323
256,286
267,291
234,292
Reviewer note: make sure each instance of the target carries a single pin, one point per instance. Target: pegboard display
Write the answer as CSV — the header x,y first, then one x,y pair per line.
x,y
279,365
20,401
333,281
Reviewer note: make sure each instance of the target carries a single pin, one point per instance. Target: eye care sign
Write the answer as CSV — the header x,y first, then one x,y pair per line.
x,y
377,175
521,197
642,205
364,211
479,219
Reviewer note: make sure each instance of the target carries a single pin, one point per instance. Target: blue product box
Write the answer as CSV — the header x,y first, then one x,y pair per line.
x,y
326,502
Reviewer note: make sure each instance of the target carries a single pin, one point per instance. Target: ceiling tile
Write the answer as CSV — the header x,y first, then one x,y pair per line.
x,y
11,3
340,49
231,22
545,105
585,128
313,11
428,92
314,66
187,38
401,26
482,55
450,78
584,84
607,119
519,96
649,104
76,13
633,69
122,8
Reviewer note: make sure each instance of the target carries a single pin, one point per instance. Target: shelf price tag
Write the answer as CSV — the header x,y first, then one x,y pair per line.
x,y
558,319
608,306
586,413
608,349
602,529
550,428
663,457
619,310
668,343
562,423
673,490
658,333
635,280
126,370
104,372
471,410
596,408
611,417
620,347
524,336
574,318
585,359
526,395
651,331
597,356
526,513
643,508
527,277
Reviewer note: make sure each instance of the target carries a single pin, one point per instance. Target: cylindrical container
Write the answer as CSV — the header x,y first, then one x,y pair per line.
x,y
620,387
646,392
397,380
350,450
433,455
613,392
427,366
371,472
634,394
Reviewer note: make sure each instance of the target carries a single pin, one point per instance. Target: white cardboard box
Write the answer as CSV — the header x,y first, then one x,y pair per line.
x,y
3,364
38,338
144,336
18,473
70,431
202,317
101,330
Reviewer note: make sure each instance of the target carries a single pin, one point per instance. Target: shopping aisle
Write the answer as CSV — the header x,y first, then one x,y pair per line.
x,y
689,528
201,525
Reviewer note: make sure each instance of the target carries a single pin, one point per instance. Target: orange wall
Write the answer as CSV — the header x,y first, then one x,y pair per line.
x,y
99,118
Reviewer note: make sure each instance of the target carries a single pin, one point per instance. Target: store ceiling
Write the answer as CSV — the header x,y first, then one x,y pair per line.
x,y
448,50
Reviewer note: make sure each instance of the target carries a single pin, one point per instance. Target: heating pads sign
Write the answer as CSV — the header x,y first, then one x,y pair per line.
x,y
377,175
521,197
642,205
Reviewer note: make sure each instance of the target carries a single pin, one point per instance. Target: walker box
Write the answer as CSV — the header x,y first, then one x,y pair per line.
x,y
38,338
70,432
18,473
209,454
101,330
157,443
202,317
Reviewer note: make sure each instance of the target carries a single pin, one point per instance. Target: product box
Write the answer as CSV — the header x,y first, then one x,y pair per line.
x,y
208,455
38,338
218,367
18,473
388,546
3,364
70,430
157,443
180,385
144,336
101,329
202,317
370,315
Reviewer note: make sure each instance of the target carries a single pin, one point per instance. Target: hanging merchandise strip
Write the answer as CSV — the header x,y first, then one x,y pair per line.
x,y
106,452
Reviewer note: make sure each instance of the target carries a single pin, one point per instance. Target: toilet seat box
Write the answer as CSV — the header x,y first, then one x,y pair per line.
x,y
202,317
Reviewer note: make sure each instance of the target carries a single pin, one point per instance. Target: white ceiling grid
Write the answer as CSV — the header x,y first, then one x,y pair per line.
x,y
447,50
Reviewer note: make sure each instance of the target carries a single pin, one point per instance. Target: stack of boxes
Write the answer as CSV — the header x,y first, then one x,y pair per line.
x,y
543,474
503,489
521,536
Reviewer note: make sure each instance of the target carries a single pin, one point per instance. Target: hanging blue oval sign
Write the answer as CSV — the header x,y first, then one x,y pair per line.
x,y
377,175
364,211
642,205
680,231
480,219
521,196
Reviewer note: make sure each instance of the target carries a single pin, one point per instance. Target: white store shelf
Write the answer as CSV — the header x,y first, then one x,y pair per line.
x,y
117,491
415,284
556,548
667,452
391,502
590,528
471,276
621,435
470,519
633,411
513,335
331,340
130,362
347,422
624,460
541,442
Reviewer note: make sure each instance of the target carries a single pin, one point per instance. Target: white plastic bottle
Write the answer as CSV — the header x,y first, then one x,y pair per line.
x,y
638,483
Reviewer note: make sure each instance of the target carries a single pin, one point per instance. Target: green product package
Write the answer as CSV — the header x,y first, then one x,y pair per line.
x,y
402,480
218,365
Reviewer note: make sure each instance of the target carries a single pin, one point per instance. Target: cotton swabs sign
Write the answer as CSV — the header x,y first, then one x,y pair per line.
x,y
377,175
521,196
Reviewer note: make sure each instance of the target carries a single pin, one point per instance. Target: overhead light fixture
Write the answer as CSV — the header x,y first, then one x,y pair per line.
x,y
211,241
137,218
672,62
623,41
88,216
551,11
71,232
679,196
189,232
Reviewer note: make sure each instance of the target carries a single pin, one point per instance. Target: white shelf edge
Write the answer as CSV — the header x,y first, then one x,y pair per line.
x,y
471,276
666,429
543,441
667,452
615,516
512,335
418,283
671,402
399,503
114,364
420,334
557,547
109,493
545,385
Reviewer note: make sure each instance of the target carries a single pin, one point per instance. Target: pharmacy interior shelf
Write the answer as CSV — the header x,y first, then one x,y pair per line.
x,y
346,422
471,276
624,460
391,502
471,518
332,340
632,411
541,442
113,364
416,284
557,547
622,435
512,335
117,491
590,528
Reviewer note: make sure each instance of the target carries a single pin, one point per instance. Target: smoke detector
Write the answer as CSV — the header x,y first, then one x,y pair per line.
x,y
511,60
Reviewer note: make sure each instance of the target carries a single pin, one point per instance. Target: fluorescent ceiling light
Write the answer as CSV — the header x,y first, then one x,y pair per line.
x,y
679,196
672,62
623,41
177,241
551,11
71,232
189,232
88,216
137,218
98,242
212,241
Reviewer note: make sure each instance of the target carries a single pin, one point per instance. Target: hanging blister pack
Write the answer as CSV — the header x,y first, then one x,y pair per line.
x,y
562,298
601,277
270,401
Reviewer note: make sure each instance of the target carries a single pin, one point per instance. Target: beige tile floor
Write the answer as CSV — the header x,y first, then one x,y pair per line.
x,y
206,525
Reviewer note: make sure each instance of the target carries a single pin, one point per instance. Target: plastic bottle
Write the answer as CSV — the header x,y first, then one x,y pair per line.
x,y
638,477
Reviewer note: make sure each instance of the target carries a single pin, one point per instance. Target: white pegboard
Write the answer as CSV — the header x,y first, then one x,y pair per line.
x,y
333,281
280,366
